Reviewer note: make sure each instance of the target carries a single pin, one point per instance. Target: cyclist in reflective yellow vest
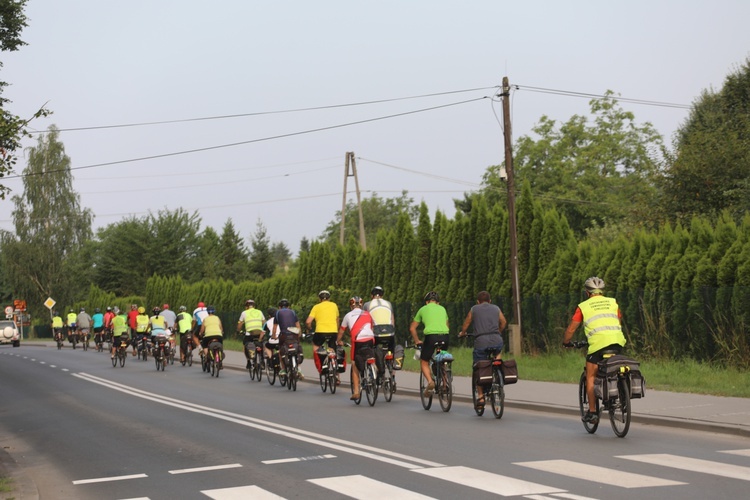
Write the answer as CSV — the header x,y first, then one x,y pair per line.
x,y
600,316
251,320
119,330
57,325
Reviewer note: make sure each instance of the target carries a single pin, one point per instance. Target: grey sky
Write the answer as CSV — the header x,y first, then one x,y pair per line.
x,y
101,63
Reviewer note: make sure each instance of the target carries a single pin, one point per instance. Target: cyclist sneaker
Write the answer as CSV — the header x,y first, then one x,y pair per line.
x,y
247,366
300,376
429,389
590,418
282,373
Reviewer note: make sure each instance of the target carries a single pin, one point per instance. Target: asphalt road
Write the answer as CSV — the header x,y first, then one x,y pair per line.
x,y
78,428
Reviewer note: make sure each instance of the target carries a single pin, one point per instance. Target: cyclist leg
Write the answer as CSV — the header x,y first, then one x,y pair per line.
x,y
359,365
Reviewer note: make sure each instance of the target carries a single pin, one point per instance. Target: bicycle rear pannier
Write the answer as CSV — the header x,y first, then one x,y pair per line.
x,y
483,372
341,358
398,357
637,384
510,371
613,365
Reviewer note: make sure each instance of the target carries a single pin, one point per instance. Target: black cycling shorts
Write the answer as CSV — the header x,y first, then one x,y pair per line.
x,y
597,356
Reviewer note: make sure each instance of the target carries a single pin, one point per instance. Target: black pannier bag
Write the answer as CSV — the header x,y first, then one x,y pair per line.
x,y
510,371
482,372
607,377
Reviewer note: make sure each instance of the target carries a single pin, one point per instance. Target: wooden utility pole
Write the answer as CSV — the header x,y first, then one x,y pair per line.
x,y
515,327
350,170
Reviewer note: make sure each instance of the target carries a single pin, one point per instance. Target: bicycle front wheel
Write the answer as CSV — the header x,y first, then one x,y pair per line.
x,y
497,394
426,400
619,410
445,387
583,403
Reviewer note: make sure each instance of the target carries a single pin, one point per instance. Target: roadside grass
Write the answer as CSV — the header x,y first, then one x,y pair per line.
x,y
6,486
565,366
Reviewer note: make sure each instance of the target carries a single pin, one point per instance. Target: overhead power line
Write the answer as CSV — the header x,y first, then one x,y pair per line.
x,y
586,95
261,113
252,141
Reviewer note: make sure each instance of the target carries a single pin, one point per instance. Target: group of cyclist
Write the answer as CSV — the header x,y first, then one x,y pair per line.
x,y
367,323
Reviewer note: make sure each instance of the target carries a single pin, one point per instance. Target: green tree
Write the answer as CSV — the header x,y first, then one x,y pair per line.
x,y
261,258
234,256
281,255
592,173
12,128
711,168
50,227
377,213
209,255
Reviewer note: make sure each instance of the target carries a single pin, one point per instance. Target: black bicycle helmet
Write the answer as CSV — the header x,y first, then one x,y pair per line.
x,y
283,303
432,295
378,290
97,310
210,309
156,310
271,312
355,301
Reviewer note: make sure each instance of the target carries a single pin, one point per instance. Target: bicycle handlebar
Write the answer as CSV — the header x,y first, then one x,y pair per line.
x,y
577,344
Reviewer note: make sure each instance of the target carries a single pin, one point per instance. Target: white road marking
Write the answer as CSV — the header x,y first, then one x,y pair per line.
x,y
241,493
52,366
569,496
364,488
487,481
65,370
297,459
371,452
42,363
744,453
204,469
106,479
598,474
693,465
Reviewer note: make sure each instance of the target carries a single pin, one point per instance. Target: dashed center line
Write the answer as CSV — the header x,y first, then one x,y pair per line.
x,y
203,469
297,459
106,479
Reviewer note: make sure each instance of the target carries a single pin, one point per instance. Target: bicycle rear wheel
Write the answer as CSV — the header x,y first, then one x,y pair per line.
x,y
361,383
123,356
445,387
371,387
497,394
270,371
389,382
258,367
619,410
114,360
583,403
426,400
333,371
479,409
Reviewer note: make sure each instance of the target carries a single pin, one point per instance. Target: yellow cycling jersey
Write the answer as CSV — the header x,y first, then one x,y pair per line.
x,y
326,316
212,326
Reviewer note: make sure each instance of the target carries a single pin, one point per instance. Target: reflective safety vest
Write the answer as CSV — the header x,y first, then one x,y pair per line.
x,y
158,323
381,312
184,322
253,320
141,323
601,323
72,318
213,326
119,325
57,322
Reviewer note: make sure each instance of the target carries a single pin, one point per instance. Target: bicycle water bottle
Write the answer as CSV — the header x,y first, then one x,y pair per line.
x,y
418,353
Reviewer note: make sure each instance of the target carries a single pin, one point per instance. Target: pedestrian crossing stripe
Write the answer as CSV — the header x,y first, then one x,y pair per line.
x,y
241,493
693,465
364,488
598,474
744,453
488,481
